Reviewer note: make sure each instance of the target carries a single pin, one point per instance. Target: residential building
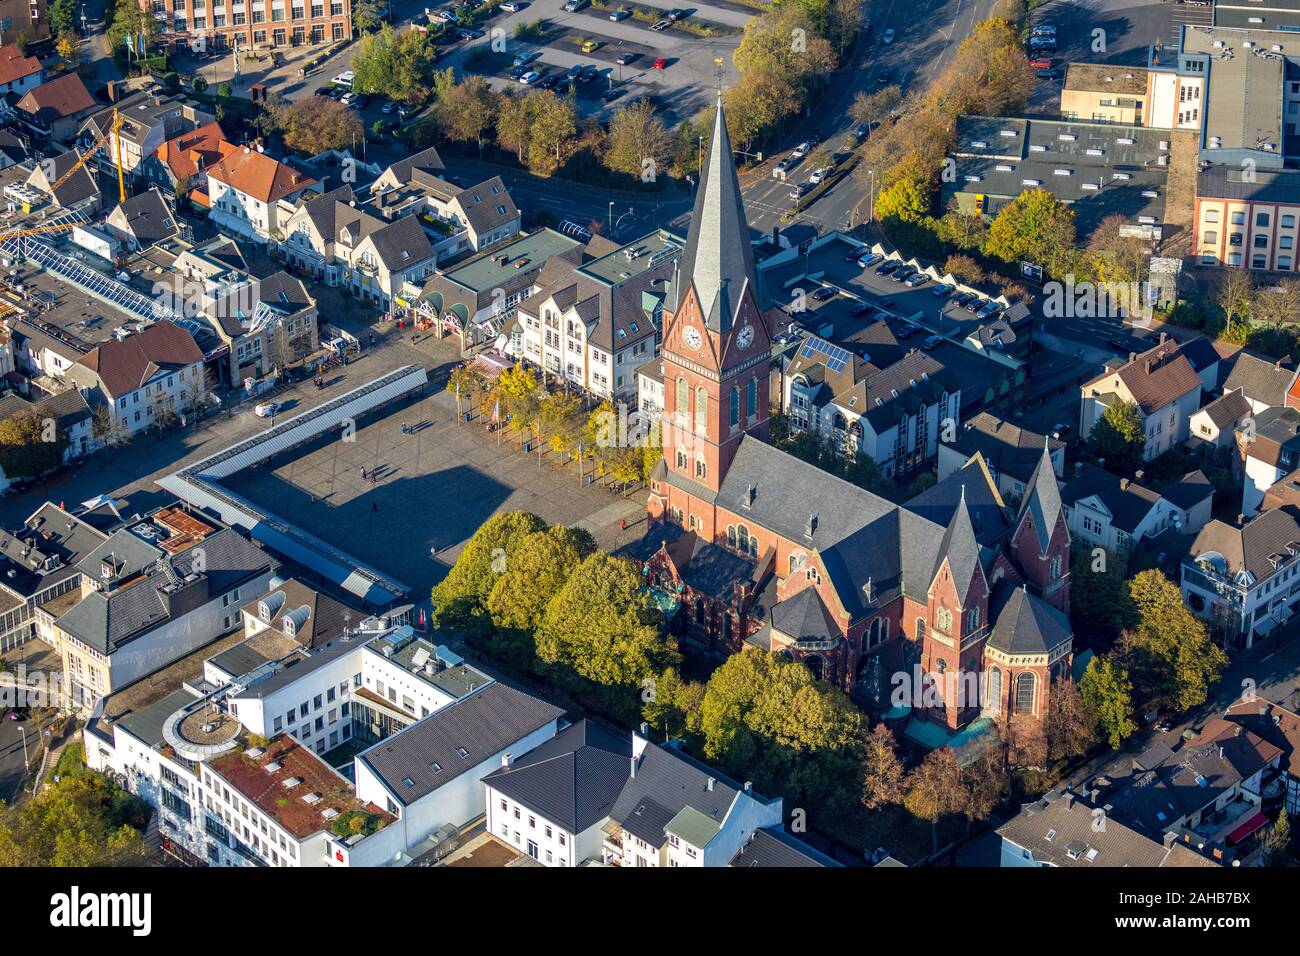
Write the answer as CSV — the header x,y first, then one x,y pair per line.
x,y
68,409
1269,446
253,195
265,24
267,323
18,72
554,801
1281,728
597,324
1163,385
1216,424
148,119
78,190
55,109
674,811
145,379
1262,381
38,564
1010,452
1061,829
144,220
430,773
179,167
25,18
1245,580
841,579
151,594
1104,510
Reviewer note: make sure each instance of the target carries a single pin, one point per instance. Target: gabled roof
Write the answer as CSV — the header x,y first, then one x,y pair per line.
x,y
55,99
1009,449
487,205
1251,548
572,779
1127,502
718,259
1274,723
483,724
148,217
326,615
402,244
1159,376
77,187
1189,490
773,847
1042,501
1261,379
804,617
664,783
427,160
14,66
123,366
1229,409
258,175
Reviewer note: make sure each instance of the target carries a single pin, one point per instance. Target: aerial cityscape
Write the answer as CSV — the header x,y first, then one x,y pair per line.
x,y
584,433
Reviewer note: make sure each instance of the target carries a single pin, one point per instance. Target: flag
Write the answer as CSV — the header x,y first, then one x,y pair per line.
x,y
140,43
130,43
496,411
422,619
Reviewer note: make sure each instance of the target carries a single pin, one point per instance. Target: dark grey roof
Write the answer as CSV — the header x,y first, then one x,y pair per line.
x,y
1008,448
148,217
1059,830
988,514
403,243
804,617
285,292
67,407
1189,490
427,159
1042,501
487,205
1260,379
1201,352
572,779
1252,548
773,847
718,258
146,724
960,549
1228,410
1128,503
44,536
665,782
483,724
1025,623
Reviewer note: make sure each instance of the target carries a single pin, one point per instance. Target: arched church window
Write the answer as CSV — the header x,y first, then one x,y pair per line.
x,y
1025,693
735,407
701,409
751,398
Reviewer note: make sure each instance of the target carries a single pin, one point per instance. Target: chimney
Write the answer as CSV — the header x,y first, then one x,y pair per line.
x,y
645,728
811,527
507,759
1123,484
750,493
709,785
1132,356
1067,799
1164,336
1137,475
749,786
1170,839
1241,520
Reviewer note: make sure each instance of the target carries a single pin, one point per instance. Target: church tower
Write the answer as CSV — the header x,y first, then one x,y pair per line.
x,y
716,346
1040,540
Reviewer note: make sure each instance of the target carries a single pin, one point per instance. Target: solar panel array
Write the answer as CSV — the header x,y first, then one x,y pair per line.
x,y
835,358
96,283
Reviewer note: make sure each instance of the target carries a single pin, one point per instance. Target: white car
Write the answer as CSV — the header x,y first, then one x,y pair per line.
x,y
818,175
267,409
801,150
529,78
344,79
888,36
511,7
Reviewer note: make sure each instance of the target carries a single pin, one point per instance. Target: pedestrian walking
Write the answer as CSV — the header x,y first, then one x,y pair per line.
x,y
363,472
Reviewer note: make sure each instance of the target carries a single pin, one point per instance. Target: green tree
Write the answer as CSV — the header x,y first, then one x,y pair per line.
x,y
671,704
367,15
458,598
63,17
904,201
1169,651
934,790
535,572
316,124
1119,437
398,65
638,145
1099,600
31,444
599,628
1277,841
129,18
1108,693
467,111
1034,227
83,820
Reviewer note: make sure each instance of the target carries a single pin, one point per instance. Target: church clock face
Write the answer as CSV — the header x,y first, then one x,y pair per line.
x,y
692,337
746,337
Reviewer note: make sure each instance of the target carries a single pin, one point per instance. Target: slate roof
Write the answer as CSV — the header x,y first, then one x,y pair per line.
x,y
1189,490
1128,502
1008,448
1227,410
572,779
1042,501
148,217
804,617
402,244
79,186
487,205
104,622
773,847
484,723
718,258
1260,379
326,615
123,366
45,534
1024,623
1250,548
960,549
665,782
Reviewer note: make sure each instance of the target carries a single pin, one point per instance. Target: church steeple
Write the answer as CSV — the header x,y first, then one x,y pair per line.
x,y
718,259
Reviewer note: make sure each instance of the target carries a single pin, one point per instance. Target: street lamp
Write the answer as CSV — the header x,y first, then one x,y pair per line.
x,y
611,215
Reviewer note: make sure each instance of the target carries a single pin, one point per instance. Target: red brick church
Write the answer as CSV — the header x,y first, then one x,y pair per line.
x,y
764,549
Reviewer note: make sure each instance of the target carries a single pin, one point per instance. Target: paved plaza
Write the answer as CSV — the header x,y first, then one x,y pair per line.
x,y
432,488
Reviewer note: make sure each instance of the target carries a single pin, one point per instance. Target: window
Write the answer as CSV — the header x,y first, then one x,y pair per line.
x,y
1025,693
682,400
734,418
1261,220
1210,236
751,398
701,469
701,409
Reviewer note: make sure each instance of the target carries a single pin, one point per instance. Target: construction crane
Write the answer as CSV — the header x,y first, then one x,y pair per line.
x,y
113,130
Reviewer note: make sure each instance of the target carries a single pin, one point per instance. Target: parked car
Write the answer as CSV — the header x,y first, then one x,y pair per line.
x,y
1043,29
517,71
861,309
990,309
906,331
527,56
349,99
862,132
901,273
626,58
870,259
621,14
589,73
940,290
344,79
1041,63
888,36
674,15
801,150
573,6
661,63
321,91
267,409
388,108
469,34
590,46
548,81
975,304
823,293
529,78
609,96
916,279
932,342
513,6
1047,74
818,176
888,266
575,71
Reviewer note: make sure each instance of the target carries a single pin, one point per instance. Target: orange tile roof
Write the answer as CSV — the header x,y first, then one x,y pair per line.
x,y
198,149
14,66
258,175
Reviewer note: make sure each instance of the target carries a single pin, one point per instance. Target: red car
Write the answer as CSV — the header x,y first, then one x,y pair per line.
x,y
661,63
1042,63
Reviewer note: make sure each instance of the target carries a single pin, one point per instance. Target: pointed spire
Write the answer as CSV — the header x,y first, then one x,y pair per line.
x,y
718,258
960,548
1042,499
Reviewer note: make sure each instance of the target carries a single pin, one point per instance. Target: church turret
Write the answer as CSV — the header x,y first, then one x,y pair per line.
x,y
1041,540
